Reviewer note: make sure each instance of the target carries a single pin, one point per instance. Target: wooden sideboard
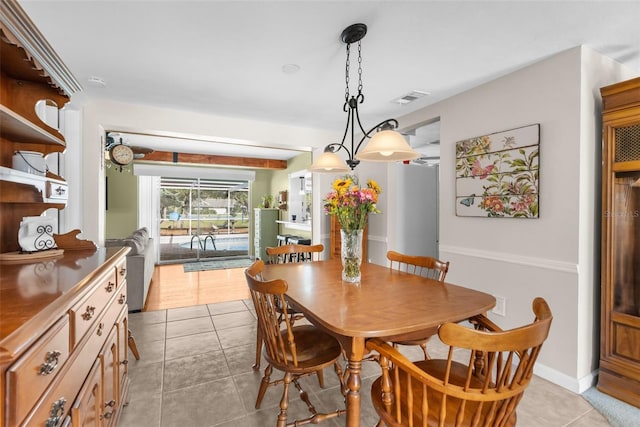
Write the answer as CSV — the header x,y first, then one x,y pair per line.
x,y
63,340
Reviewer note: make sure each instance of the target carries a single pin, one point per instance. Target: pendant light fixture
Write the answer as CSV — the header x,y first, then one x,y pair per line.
x,y
386,144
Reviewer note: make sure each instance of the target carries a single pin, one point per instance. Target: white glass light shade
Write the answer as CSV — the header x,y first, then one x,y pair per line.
x,y
387,146
329,162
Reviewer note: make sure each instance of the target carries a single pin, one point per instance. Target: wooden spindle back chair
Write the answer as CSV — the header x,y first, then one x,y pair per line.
x,y
425,266
294,252
483,391
295,350
286,254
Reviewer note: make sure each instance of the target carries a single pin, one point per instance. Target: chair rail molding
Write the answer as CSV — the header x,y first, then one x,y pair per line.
x,y
549,264
19,23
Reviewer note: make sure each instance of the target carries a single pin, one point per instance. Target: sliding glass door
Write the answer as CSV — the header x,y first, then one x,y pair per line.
x,y
203,219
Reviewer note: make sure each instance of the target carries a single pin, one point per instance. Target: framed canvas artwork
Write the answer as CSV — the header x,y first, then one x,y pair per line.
x,y
497,175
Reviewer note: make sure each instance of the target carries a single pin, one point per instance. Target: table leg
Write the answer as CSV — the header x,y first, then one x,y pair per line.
x,y
354,349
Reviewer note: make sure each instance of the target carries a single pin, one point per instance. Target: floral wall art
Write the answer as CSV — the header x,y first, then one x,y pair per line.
x,y
497,174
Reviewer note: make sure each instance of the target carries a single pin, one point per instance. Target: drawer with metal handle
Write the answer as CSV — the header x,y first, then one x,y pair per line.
x,y
83,314
58,398
121,271
57,191
30,375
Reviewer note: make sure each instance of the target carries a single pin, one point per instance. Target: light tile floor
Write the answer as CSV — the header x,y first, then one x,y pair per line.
x,y
195,371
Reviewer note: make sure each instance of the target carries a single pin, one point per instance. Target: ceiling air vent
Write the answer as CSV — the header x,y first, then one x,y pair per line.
x,y
411,96
426,161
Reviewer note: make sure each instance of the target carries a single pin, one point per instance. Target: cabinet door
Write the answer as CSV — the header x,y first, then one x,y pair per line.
x,y
122,326
87,408
111,378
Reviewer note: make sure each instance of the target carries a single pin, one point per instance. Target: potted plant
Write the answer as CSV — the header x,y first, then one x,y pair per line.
x,y
267,201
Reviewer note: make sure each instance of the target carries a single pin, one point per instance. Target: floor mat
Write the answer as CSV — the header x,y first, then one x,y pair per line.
x,y
216,265
617,412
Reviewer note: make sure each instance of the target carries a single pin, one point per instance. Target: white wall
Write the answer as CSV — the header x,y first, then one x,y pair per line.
x,y
102,115
553,256
414,190
71,217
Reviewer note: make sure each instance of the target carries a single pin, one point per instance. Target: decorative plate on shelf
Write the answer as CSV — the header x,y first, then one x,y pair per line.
x,y
36,233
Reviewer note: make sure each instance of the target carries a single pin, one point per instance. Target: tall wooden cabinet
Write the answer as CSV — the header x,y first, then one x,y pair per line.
x,y
620,329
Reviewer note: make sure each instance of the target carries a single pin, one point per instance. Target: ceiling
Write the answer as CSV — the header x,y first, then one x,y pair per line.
x,y
233,58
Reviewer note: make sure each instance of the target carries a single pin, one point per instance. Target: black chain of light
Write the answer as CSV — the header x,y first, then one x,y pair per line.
x,y
346,75
346,72
359,68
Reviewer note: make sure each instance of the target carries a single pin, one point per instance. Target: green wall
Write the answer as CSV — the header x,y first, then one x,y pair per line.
x,y
272,182
281,182
260,187
121,217
281,177
122,196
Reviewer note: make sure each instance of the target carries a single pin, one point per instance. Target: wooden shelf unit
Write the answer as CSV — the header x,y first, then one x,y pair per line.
x,y
22,84
619,373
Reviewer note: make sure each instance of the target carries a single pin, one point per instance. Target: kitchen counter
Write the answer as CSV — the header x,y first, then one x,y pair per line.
x,y
296,225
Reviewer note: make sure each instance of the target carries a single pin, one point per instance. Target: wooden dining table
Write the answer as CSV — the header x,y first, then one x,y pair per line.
x,y
385,304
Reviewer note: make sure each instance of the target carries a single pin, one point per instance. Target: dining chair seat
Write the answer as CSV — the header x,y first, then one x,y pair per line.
x,y
417,339
314,349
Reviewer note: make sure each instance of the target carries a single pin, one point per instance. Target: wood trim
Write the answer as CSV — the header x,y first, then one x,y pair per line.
x,y
24,31
620,87
621,95
208,159
630,166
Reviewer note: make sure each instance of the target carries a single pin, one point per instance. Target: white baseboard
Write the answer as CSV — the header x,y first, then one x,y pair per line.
x,y
576,385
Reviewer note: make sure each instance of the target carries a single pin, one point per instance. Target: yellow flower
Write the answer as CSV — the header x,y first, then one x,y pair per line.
x,y
351,203
374,186
342,185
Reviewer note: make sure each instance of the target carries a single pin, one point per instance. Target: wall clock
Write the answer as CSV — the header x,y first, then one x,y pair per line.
x,y
121,154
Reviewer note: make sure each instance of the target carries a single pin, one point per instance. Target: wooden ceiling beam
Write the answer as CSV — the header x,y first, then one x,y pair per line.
x,y
208,159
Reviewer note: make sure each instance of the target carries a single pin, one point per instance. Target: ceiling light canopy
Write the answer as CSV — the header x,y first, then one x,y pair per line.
x,y
386,144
